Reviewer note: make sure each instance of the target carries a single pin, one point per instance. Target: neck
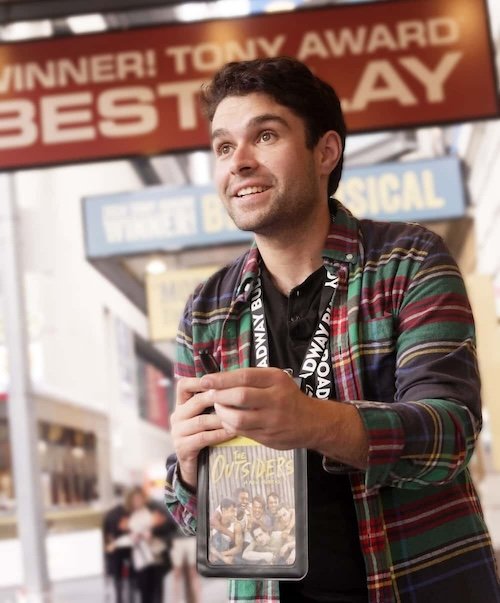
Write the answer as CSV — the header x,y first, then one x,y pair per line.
x,y
289,272
291,258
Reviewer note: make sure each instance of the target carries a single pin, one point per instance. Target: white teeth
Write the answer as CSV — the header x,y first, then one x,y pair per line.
x,y
250,190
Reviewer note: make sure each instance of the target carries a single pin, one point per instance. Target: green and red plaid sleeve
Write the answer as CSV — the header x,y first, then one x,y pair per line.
x,y
180,501
426,435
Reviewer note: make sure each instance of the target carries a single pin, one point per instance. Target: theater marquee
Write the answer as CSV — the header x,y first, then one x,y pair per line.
x,y
394,64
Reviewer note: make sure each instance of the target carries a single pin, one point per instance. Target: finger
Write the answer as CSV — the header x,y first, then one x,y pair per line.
x,y
198,424
187,387
240,421
195,405
196,442
247,377
241,398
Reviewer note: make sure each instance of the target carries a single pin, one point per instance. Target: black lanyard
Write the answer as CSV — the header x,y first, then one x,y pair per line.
x,y
316,372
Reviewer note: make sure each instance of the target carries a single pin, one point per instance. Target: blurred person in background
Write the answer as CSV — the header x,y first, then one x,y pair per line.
x,y
117,550
373,317
183,556
150,530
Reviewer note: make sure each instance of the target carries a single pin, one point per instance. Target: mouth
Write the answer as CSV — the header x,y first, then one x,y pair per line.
x,y
251,190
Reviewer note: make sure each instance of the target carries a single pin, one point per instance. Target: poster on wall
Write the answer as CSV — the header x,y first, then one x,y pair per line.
x,y
167,293
394,64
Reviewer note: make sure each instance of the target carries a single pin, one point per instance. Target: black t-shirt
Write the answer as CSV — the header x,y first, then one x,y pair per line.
x,y
336,567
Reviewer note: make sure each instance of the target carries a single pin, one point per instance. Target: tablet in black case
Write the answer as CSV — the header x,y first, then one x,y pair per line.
x,y
252,511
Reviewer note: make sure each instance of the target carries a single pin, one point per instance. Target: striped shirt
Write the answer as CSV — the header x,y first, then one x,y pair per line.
x,y
403,352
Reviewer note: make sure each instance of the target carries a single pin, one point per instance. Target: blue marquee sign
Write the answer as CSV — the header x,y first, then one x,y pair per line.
x,y
168,218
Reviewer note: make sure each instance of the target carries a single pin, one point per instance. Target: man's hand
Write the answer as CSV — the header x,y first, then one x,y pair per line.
x,y
265,404
191,429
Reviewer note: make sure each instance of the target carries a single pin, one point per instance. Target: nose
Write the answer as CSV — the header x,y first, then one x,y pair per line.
x,y
243,159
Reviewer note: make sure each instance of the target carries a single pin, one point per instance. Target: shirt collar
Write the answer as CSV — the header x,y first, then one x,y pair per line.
x,y
342,242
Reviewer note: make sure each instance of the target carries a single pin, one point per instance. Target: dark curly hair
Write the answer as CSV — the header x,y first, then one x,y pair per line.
x,y
291,84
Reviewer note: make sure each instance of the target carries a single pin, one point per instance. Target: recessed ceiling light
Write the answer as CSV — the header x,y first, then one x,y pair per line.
x,y
192,11
231,8
156,266
80,24
277,6
25,30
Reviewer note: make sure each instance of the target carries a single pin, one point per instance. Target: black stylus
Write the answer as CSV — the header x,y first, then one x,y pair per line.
x,y
209,365
208,362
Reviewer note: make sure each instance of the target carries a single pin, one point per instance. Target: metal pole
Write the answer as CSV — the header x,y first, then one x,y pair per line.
x,y
20,405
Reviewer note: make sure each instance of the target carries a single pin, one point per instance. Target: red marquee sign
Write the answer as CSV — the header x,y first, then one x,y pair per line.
x,y
394,64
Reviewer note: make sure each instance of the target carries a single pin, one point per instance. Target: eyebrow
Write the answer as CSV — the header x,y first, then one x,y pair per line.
x,y
255,121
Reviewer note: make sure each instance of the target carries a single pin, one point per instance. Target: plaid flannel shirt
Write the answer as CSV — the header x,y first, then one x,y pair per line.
x,y
403,352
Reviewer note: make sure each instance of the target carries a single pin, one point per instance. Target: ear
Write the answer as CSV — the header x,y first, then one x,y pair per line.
x,y
329,152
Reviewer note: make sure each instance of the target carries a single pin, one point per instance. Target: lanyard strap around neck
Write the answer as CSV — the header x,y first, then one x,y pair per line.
x,y
316,371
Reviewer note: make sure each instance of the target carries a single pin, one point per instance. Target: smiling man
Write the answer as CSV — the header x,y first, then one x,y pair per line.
x,y
389,407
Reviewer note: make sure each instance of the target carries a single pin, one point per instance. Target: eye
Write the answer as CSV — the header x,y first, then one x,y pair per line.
x,y
266,136
223,149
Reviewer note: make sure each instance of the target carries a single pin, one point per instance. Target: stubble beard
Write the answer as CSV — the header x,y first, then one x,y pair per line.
x,y
284,215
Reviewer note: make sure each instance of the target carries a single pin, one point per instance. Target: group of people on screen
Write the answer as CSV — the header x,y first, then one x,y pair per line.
x,y
254,529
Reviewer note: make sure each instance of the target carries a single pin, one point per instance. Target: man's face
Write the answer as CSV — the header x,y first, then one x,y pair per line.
x,y
257,509
284,515
243,499
260,536
272,504
138,501
228,515
267,178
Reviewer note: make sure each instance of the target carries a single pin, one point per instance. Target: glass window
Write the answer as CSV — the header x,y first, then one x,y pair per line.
x,y
68,459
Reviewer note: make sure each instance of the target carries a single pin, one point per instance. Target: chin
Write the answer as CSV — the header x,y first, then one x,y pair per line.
x,y
246,224
264,225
